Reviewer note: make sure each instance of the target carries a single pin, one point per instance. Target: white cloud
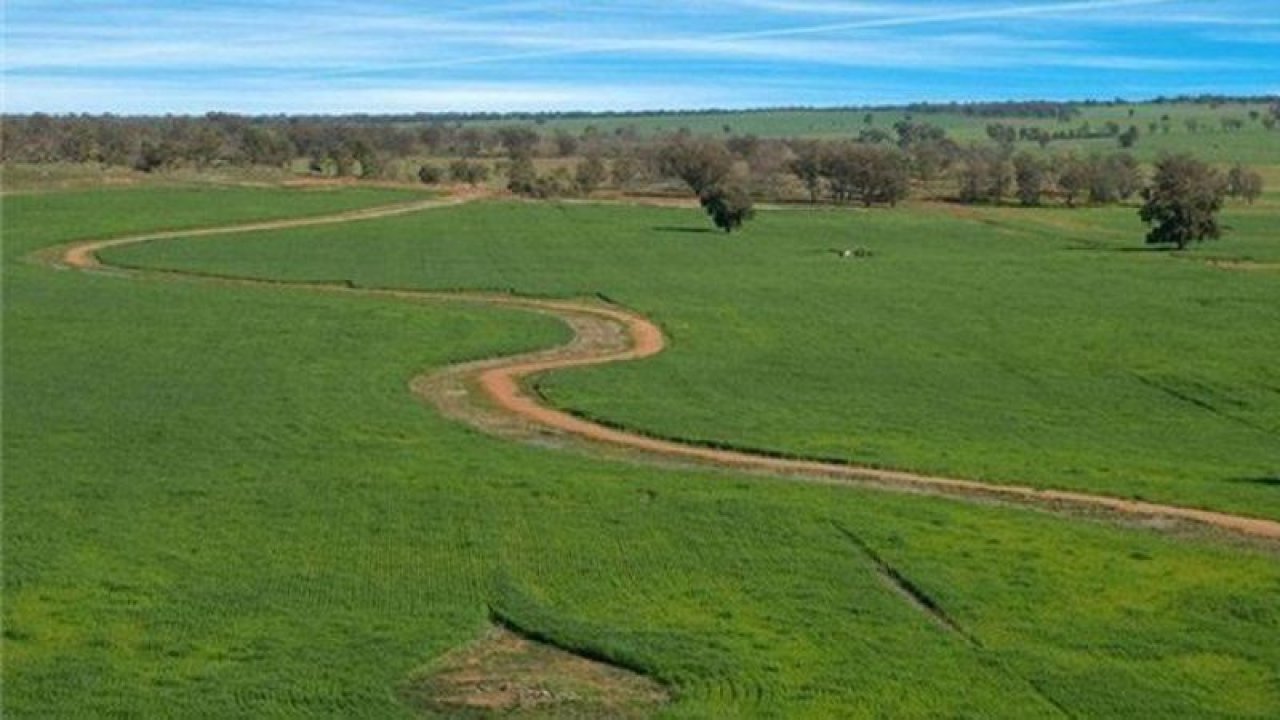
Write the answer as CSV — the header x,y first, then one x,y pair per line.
x,y
64,95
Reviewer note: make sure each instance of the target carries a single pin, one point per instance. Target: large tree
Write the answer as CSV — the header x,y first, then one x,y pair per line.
x,y
729,206
702,163
1182,203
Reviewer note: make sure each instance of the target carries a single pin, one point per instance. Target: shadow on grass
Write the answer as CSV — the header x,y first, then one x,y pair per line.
x,y
1272,480
680,229
1124,248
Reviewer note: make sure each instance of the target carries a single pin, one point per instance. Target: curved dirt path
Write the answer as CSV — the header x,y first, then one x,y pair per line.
x,y
492,396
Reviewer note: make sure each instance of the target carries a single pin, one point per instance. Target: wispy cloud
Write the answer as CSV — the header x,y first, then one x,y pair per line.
x,y
559,53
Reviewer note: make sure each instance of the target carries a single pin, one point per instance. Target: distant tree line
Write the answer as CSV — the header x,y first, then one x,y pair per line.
x,y
876,166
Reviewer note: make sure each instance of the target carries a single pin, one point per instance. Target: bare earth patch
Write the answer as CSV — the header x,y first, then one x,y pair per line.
x,y
507,675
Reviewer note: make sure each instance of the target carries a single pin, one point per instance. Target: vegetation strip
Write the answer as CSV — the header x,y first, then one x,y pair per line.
x,y
606,334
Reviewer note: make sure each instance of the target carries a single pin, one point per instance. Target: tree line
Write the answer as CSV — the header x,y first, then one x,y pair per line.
x,y
877,166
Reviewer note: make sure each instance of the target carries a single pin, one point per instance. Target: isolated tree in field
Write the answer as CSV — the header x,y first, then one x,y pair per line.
x,y
701,163
1029,177
1183,201
729,206
1244,183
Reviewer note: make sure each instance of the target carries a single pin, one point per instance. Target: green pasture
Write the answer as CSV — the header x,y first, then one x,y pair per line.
x,y
1044,346
221,501
1252,144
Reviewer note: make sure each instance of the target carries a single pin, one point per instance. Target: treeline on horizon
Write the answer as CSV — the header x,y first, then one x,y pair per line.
x,y
1063,109
874,165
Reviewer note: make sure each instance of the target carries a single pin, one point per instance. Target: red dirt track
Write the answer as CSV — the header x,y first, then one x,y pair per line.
x,y
490,394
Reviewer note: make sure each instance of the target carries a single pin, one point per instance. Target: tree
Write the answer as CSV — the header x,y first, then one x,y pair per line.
x,y
566,144
626,168
155,156
701,163
1129,138
867,173
1028,176
468,171
430,174
807,165
729,207
519,141
1126,174
985,175
1244,183
1073,177
1183,201
522,178
590,173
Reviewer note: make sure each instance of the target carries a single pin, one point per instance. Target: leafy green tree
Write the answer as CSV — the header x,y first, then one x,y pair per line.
x,y
1183,201
729,206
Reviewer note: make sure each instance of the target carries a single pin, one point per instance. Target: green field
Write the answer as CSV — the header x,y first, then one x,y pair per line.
x,y
1004,344
1251,144
222,500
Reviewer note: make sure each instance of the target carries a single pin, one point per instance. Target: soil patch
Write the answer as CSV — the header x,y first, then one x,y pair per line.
x,y
507,675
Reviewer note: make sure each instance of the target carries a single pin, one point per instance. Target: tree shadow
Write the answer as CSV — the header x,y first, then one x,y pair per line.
x,y
1272,480
1148,249
1123,249
680,229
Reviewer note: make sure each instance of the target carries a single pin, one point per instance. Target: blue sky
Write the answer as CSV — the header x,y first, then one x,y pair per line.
x,y
318,56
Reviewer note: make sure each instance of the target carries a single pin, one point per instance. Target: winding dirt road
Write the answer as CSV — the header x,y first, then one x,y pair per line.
x,y
491,395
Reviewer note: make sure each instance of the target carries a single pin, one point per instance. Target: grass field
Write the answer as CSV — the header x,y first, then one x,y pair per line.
x,y
222,501
1006,344
1252,144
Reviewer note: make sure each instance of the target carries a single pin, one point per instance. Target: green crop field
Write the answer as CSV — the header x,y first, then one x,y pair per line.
x,y
1006,344
1252,143
222,501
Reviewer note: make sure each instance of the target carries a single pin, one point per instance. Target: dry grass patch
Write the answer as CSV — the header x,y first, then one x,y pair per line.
x,y
505,674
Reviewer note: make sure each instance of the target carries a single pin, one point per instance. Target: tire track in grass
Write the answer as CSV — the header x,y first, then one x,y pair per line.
x,y
916,596
492,396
